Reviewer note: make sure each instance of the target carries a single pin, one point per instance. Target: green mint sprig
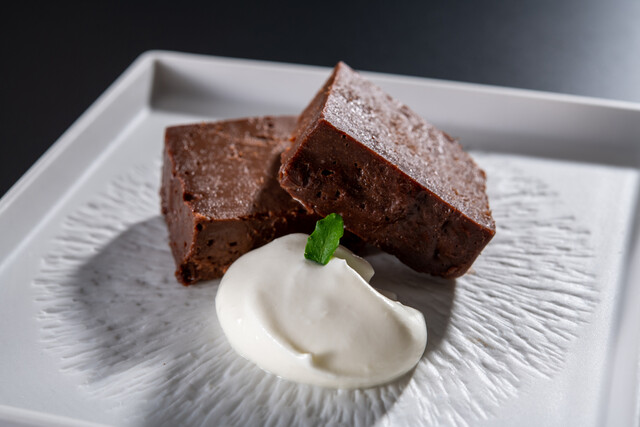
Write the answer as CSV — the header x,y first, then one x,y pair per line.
x,y
324,240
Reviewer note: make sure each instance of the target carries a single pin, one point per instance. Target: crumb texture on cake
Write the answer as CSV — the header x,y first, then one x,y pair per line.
x,y
399,182
220,195
225,167
389,128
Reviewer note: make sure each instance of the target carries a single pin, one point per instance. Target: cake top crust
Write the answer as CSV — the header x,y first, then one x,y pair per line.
x,y
436,161
228,169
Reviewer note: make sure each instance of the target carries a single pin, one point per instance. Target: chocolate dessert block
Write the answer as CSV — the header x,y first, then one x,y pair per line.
x,y
220,194
397,181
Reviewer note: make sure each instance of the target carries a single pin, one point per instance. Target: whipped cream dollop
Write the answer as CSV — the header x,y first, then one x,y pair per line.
x,y
315,324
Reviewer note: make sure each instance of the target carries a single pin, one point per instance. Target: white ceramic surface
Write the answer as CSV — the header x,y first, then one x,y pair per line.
x,y
94,328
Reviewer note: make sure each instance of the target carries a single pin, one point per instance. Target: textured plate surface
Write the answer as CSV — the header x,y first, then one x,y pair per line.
x,y
97,330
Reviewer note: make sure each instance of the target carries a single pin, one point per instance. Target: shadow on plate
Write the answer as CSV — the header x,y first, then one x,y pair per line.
x,y
433,296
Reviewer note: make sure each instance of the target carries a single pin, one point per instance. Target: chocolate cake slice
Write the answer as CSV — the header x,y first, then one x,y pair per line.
x,y
220,194
398,182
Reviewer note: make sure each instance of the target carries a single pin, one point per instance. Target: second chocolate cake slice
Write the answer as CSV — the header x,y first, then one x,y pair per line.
x,y
220,195
398,182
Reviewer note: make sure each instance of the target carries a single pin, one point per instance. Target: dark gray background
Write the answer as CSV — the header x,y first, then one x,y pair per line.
x,y
58,58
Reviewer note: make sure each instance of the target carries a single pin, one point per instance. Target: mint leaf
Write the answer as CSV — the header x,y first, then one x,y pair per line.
x,y
324,240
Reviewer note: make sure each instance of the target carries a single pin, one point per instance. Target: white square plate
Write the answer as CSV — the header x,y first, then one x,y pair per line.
x,y
94,328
